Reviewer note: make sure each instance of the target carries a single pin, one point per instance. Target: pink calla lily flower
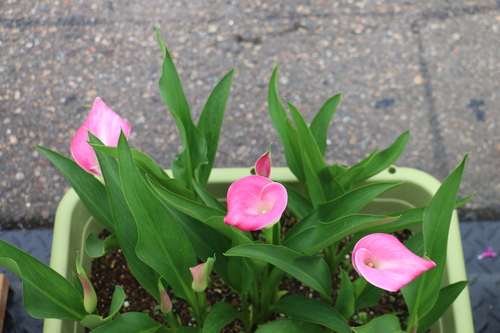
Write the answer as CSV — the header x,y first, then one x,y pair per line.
x,y
263,165
386,263
105,124
255,202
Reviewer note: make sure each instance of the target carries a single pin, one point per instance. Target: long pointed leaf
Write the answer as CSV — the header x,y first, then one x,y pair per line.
x,y
312,271
46,294
220,315
136,322
288,135
193,141
328,233
126,229
210,123
162,244
211,216
321,121
421,294
446,297
289,325
384,324
90,190
318,179
345,301
311,310
379,162
297,203
352,201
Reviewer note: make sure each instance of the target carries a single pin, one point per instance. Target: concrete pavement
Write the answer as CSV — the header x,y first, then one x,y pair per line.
x,y
429,66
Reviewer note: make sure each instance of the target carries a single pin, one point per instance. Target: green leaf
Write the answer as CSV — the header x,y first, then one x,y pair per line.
x,y
208,198
312,159
136,322
307,222
210,123
421,294
297,203
93,321
379,162
289,325
143,161
220,315
90,190
238,269
320,122
193,141
446,297
161,244
96,247
313,271
352,201
210,216
407,219
345,300
206,242
117,301
367,295
288,135
46,294
311,310
384,324
187,329
329,233
126,229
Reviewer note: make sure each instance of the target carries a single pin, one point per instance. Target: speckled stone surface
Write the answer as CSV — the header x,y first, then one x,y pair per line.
x,y
428,66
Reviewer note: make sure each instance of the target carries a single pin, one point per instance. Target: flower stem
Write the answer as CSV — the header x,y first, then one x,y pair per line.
x,y
172,319
246,318
272,234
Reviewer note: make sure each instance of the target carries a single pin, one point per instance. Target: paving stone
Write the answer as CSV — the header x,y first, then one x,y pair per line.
x,y
428,66
483,274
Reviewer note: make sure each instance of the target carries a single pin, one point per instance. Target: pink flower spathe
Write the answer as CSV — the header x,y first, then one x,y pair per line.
x,y
105,124
255,202
386,263
263,165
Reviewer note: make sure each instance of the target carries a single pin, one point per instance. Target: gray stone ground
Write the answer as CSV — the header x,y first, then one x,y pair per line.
x,y
429,66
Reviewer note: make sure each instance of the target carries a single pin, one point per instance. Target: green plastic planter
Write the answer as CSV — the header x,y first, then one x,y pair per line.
x,y
73,223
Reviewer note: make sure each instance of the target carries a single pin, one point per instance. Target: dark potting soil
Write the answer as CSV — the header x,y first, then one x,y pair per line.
x,y
111,270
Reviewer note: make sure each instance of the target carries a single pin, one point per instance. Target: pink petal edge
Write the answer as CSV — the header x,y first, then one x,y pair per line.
x,y
394,265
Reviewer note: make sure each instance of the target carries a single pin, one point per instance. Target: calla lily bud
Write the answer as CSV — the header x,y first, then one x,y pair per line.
x,y
255,202
386,263
263,165
89,294
165,302
201,274
106,125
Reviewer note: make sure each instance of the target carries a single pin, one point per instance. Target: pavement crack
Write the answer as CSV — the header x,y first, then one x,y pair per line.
x,y
439,148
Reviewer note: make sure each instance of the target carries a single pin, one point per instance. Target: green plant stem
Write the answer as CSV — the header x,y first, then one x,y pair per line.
x,y
172,320
277,233
200,313
246,317
263,300
330,256
273,234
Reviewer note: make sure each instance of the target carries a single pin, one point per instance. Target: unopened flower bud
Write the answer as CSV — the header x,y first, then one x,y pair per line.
x,y
200,275
165,302
89,295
